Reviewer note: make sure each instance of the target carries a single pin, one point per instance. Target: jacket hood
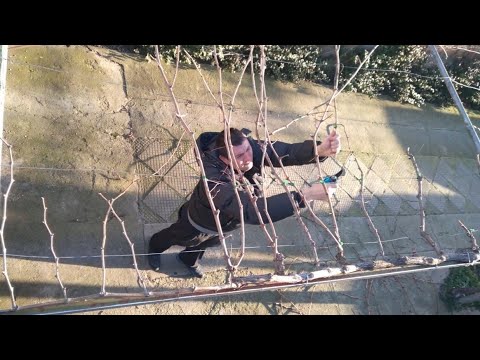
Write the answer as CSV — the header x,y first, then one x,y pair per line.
x,y
206,142
206,145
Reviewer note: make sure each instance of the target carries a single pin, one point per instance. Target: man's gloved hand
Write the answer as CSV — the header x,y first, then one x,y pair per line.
x,y
330,145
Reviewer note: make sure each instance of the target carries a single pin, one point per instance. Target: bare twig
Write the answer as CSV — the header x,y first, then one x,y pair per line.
x,y
295,206
177,51
279,258
423,232
247,284
229,146
338,240
157,173
337,67
308,114
140,279
340,256
460,48
104,238
371,225
336,93
297,210
197,66
356,71
335,85
57,273
198,156
471,236
478,162
102,252
444,51
457,256
2,229
227,121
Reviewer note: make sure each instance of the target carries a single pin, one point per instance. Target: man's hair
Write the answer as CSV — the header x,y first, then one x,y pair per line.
x,y
236,136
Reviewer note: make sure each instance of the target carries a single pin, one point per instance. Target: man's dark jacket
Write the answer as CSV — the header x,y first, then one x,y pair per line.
x,y
220,180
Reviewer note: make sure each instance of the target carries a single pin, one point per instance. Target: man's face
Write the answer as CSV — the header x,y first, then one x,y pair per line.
x,y
243,156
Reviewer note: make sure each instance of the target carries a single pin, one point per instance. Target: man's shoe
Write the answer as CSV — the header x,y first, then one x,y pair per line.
x,y
195,271
154,261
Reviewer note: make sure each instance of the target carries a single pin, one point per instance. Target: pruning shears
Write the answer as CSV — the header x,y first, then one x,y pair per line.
x,y
327,179
332,178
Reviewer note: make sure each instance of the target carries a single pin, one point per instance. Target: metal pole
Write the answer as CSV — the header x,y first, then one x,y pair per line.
x,y
456,98
3,79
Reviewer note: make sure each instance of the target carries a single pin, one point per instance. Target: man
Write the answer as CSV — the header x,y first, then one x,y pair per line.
x,y
195,228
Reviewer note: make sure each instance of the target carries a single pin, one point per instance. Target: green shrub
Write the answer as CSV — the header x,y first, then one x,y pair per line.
x,y
411,77
399,83
458,278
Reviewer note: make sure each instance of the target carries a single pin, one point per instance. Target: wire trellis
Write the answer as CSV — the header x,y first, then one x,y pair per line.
x,y
390,190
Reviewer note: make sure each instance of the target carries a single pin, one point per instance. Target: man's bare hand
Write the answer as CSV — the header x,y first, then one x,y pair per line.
x,y
317,191
330,145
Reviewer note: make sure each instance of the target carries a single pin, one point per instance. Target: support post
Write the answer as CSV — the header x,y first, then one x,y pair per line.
x,y
454,94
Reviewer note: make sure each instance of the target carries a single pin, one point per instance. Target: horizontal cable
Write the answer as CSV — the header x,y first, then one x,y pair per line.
x,y
233,248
